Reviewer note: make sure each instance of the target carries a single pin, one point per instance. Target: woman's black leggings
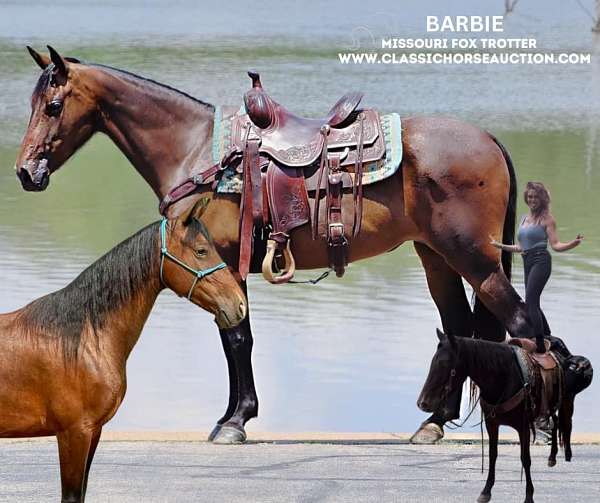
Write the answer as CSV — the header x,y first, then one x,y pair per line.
x,y
538,266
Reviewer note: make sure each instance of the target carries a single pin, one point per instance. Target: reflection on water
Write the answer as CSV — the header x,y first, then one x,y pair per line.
x,y
349,354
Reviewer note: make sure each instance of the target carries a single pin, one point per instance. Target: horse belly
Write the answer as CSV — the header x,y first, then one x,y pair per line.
x,y
384,227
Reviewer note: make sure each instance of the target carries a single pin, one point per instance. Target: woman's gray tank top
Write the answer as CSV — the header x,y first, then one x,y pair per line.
x,y
532,236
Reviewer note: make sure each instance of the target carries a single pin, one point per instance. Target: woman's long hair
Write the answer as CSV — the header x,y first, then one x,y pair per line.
x,y
544,196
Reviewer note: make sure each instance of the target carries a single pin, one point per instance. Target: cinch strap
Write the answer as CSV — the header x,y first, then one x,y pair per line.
x,y
199,273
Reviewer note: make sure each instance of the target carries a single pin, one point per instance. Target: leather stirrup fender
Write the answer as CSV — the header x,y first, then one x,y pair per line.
x,y
267,266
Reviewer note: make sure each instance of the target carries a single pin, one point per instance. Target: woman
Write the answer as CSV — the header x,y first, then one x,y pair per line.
x,y
536,229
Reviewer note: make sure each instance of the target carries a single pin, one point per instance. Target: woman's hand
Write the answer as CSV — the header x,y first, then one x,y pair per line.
x,y
495,243
577,241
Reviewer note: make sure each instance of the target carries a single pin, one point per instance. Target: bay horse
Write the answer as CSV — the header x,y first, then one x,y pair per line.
x,y
496,370
455,188
64,354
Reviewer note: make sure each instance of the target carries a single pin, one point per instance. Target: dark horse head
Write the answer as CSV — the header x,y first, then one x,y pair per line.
x,y
446,373
59,124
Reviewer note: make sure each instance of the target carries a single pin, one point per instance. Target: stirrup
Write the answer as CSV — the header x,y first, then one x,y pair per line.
x,y
289,268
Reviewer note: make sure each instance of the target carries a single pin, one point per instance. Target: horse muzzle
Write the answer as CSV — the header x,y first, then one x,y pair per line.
x,y
34,175
226,318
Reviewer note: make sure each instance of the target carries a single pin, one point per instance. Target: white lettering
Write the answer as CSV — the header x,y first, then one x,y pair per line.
x,y
474,24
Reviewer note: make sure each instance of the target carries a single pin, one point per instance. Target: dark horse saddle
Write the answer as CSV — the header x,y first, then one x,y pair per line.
x,y
283,158
546,374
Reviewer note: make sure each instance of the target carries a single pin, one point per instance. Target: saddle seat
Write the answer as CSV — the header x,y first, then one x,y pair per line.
x,y
546,360
296,141
265,112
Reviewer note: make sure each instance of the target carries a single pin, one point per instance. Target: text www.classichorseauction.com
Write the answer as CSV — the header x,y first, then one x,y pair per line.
x,y
463,50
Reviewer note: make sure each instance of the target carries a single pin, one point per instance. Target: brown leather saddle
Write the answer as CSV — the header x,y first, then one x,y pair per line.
x,y
547,373
284,159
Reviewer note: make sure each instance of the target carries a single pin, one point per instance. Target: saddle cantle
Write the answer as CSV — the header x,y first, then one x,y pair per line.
x,y
283,158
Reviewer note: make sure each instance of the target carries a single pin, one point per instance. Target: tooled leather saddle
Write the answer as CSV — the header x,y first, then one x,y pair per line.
x,y
288,164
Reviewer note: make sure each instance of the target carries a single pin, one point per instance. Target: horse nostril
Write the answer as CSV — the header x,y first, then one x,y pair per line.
x,y
242,310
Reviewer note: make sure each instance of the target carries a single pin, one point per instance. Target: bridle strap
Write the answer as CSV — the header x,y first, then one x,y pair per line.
x,y
164,253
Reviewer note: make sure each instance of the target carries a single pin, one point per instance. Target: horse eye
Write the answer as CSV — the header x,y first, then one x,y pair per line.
x,y
54,108
201,252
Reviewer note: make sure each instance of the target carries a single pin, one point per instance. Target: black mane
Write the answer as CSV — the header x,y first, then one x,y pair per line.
x,y
100,289
493,356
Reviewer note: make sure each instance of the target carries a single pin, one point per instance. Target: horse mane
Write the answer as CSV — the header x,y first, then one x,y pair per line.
x,y
493,356
99,290
46,77
134,76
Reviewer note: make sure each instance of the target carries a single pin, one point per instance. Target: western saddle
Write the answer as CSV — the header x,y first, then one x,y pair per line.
x,y
547,371
282,158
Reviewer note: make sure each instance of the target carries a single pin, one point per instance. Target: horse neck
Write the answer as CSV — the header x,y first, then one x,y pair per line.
x,y
491,368
164,133
123,330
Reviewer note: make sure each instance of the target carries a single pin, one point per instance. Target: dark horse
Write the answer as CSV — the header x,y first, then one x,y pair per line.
x,y
495,369
64,355
456,188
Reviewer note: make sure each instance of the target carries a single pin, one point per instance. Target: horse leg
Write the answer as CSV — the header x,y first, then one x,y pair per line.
x,y
554,447
565,418
233,384
243,402
448,293
526,461
73,450
93,446
479,263
492,429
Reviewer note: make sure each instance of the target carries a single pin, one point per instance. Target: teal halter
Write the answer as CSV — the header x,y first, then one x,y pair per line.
x,y
199,273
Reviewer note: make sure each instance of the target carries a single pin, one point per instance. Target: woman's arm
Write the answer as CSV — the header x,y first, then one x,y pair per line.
x,y
553,237
509,248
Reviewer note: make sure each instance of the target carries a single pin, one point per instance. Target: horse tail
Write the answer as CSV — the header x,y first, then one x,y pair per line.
x,y
508,232
485,324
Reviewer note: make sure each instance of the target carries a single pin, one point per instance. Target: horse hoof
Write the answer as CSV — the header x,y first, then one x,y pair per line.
x,y
228,435
551,462
484,498
215,431
427,434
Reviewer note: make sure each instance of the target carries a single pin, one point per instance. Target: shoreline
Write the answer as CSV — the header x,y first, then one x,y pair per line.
x,y
349,438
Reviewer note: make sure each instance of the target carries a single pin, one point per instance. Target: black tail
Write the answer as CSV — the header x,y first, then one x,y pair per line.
x,y
485,324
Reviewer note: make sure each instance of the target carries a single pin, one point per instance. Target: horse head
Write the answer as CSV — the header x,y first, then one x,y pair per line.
x,y
446,373
62,118
192,268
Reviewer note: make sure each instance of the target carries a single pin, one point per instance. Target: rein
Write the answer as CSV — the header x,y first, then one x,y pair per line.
x,y
198,273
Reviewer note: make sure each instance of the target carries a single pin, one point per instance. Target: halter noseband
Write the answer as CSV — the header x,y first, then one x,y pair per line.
x,y
199,273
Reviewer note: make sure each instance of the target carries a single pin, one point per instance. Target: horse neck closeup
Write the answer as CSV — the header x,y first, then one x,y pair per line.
x,y
103,310
162,131
490,365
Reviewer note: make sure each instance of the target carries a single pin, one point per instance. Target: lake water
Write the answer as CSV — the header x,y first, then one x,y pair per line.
x,y
349,354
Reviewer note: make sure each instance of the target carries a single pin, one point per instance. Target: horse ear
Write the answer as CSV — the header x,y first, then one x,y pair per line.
x,y
42,61
200,207
194,211
441,335
60,67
